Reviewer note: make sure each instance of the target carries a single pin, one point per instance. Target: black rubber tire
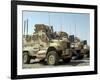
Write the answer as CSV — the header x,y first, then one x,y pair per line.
x,y
27,57
67,60
78,56
88,54
54,58
81,56
75,56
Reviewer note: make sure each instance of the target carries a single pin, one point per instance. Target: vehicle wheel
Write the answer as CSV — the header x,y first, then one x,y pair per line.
x,y
75,57
81,57
67,60
78,56
26,58
52,58
88,54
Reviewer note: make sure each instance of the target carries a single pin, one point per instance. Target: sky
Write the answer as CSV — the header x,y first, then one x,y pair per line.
x,y
77,24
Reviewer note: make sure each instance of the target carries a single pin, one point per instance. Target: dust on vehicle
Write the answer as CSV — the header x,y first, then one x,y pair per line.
x,y
46,45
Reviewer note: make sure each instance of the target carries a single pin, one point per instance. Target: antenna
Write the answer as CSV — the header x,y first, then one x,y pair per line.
x,y
70,28
49,17
75,29
61,23
27,26
24,27
75,25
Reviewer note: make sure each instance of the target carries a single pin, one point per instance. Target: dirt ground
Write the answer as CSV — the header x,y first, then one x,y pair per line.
x,y
37,64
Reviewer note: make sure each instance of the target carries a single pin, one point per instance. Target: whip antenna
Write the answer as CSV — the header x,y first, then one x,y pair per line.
x,y
27,26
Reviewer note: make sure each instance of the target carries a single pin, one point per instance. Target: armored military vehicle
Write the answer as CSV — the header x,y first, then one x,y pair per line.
x,y
79,48
85,48
46,45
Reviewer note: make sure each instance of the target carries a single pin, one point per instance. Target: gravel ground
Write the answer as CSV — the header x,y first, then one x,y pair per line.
x,y
37,64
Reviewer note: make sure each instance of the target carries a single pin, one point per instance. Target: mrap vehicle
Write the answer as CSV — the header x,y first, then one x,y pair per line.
x,y
46,45
80,49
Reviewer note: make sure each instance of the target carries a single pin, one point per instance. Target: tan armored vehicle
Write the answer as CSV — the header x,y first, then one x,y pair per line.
x,y
46,45
85,48
79,48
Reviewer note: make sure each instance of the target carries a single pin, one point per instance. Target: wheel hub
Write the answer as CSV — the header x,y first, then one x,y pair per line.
x,y
51,59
